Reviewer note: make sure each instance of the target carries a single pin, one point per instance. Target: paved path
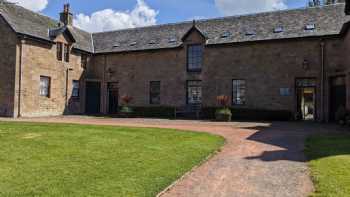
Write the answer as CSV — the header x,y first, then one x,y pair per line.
x,y
259,159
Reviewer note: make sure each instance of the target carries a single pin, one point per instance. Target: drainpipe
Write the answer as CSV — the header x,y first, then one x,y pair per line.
x,y
67,82
22,41
322,45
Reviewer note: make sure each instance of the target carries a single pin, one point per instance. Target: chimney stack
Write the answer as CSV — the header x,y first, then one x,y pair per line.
x,y
66,17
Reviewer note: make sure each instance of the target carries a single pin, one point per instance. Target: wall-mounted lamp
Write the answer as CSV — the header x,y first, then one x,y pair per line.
x,y
110,71
306,64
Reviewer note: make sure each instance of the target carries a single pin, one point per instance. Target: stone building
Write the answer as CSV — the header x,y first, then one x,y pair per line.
x,y
292,63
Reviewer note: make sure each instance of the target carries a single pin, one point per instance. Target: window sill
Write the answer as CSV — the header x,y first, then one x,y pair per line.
x,y
194,71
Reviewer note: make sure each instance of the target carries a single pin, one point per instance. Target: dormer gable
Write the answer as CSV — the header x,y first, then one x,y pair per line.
x,y
194,35
62,34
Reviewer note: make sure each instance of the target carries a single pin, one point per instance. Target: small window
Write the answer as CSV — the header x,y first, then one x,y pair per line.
x,y
116,45
172,40
250,33
310,27
75,89
194,57
194,92
133,43
59,51
239,92
84,60
226,35
152,42
155,92
278,29
45,83
284,91
66,52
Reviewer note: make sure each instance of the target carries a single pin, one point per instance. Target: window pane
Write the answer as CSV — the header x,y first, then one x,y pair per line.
x,y
194,57
155,92
66,52
59,51
239,92
44,86
75,91
194,92
83,61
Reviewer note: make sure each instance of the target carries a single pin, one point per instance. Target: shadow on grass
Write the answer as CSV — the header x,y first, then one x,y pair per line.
x,y
290,137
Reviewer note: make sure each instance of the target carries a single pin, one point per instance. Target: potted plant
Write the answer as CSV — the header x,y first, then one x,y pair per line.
x,y
224,112
126,110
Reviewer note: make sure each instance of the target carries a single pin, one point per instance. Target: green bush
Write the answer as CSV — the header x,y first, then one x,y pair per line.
x,y
223,114
250,114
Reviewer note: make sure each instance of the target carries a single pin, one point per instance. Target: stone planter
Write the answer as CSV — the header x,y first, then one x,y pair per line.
x,y
223,117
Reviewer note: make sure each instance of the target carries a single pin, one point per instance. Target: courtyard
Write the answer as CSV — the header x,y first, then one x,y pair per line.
x,y
255,159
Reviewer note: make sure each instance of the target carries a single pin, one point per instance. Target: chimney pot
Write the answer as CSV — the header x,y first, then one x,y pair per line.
x,y
66,17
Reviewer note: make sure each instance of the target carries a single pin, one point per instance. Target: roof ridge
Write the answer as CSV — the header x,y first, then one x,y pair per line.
x,y
222,18
39,14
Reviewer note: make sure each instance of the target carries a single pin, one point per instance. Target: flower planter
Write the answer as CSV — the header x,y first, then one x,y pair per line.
x,y
223,117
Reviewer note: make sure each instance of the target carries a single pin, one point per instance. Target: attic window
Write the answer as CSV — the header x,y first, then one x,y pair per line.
x,y
172,40
278,29
133,43
226,35
250,33
152,42
310,27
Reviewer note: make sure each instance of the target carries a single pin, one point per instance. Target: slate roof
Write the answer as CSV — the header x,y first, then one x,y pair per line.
x,y
328,20
29,23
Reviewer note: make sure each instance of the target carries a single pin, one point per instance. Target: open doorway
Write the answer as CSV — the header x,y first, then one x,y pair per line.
x,y
113,98
337,96
93,96
306,99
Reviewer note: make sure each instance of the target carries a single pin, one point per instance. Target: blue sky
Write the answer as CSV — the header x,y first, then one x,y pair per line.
x,y
169,10
104,15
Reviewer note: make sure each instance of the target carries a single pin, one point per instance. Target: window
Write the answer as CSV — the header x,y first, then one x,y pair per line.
x,y
194,92
239,92
66,52
59,51
45,86
84,60
226,35
284,91
194,57
75,91
278,29
154,92
310,27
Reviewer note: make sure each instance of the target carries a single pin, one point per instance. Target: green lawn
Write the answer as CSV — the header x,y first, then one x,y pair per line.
x,y
80,160
330,164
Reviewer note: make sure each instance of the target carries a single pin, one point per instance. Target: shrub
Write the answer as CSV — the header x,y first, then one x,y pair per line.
x,y
224,113
340,114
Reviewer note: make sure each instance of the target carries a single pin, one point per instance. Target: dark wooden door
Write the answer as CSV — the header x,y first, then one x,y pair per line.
x,y
337,96
93,97
113,97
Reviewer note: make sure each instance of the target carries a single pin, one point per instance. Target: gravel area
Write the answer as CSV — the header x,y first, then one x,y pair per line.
x,y
259,159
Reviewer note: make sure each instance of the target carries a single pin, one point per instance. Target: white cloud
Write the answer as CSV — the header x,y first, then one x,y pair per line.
x,y
35,5
238,7
108,19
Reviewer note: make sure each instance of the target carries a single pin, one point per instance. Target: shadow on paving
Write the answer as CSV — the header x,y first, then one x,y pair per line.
x,y
290,138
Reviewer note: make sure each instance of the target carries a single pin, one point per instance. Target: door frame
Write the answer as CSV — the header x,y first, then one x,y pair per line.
x,y
330,85
86,92
108,95
303,87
